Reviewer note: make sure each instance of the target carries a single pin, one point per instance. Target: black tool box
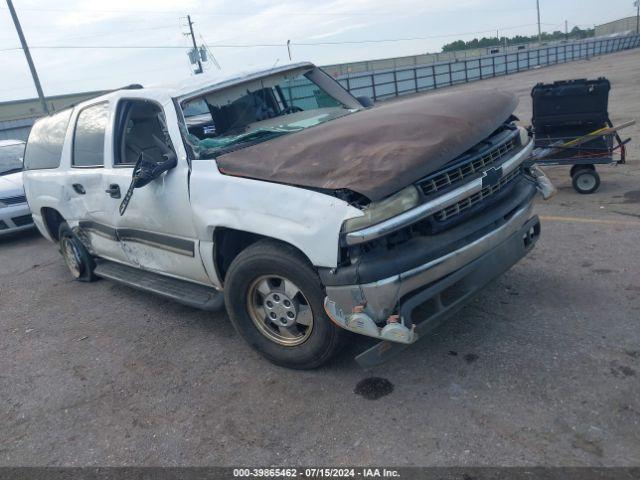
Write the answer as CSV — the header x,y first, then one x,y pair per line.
x,y
571,103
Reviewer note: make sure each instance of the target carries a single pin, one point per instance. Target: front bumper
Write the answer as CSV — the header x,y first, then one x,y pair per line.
x,y
15,219
425,295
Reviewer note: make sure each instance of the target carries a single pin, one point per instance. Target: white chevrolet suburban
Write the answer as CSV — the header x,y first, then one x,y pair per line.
x,y
302,209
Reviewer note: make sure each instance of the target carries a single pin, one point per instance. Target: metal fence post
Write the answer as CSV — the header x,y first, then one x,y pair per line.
x,y
415,78
395,82
373,86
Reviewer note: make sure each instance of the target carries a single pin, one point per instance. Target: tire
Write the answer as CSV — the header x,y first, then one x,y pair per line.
x,y
585,181
576,168
78,260
259,291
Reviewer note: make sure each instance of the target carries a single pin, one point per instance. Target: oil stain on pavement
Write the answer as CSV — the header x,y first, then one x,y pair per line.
x,y
373,388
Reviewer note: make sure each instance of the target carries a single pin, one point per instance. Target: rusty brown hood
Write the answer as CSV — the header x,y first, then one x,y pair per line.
x,y
379,151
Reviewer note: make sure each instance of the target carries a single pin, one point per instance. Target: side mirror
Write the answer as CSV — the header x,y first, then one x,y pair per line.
x,y
145,171
365,101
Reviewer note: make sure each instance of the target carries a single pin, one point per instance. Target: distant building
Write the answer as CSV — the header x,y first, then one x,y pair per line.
x,y
17,116
624,25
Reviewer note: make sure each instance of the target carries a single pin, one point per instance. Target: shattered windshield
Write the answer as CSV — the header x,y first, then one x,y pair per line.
x,y
11,158
254,112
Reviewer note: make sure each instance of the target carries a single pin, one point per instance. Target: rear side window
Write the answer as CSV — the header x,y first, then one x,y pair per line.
x,y
44,147
88,139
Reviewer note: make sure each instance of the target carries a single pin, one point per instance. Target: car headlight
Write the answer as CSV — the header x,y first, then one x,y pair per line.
x,y
388,208
524,136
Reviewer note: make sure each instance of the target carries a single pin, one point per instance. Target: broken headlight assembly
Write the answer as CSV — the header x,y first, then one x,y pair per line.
x,y
385,209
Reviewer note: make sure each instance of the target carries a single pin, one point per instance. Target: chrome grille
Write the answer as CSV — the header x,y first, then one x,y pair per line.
x,y
13,200
22,220
465,204
452,176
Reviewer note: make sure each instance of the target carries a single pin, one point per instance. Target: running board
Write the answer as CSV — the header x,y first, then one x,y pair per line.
x,y
191,294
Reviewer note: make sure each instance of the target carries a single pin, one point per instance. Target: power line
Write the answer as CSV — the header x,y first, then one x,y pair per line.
x,y
256,45
266,45
252,13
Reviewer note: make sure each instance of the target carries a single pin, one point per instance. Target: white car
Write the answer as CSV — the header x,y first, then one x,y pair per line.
x,y
14,210
291,202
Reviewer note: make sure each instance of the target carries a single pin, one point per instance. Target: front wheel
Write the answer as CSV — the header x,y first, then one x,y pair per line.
x,y
275,301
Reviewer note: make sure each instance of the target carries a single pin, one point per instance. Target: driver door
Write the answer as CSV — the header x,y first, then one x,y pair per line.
x,y
156,231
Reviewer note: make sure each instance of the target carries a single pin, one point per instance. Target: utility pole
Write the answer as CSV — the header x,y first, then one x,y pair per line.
x,y
637,4
289,48
27,54
566,30
195,48
539,27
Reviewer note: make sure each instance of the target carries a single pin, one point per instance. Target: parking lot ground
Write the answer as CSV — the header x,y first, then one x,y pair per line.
x,y
543,369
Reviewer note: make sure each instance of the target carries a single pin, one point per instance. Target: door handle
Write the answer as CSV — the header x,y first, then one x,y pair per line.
x,y
113,190
79,188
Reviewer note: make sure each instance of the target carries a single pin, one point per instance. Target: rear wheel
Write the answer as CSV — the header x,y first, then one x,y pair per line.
x,y
585,181
577,168
78,260
275,301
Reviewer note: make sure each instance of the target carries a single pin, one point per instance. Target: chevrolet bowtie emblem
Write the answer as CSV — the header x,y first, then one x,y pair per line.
x,y
491,177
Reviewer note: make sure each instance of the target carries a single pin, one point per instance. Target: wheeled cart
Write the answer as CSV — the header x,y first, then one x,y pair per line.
x,y
571,126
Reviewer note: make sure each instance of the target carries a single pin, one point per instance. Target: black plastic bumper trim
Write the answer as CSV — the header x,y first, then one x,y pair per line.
x,y
456,290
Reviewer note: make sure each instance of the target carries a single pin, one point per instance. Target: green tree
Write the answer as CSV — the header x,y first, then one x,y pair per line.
x,y
576,34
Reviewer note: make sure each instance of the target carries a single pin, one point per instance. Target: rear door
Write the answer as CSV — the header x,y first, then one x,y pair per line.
x,y
85,182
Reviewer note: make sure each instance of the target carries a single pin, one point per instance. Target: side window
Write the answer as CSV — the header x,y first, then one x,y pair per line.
x,y
302,93
141,125
88,139
44,147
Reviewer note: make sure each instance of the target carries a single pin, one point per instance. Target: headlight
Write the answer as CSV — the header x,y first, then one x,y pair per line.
x,y
380,211
524,136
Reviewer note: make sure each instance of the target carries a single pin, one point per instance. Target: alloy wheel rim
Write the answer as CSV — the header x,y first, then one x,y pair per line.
x,y
280,310
71,257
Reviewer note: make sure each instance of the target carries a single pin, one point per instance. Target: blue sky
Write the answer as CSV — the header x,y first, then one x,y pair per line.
x,y
247,22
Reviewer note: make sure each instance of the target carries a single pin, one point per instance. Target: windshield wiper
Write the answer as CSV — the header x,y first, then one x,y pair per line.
x,y
214,146
257,135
